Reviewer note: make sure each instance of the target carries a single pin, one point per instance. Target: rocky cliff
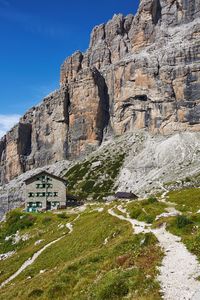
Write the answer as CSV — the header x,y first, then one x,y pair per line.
x,y
140,72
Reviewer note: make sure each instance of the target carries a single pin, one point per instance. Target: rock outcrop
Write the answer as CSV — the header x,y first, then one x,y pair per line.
x,y
140,72
39,139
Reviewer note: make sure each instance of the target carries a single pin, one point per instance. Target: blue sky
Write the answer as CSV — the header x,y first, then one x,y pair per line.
x,y
36,37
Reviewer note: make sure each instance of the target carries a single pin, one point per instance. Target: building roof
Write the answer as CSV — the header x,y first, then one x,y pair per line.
x,y
125,195
45,173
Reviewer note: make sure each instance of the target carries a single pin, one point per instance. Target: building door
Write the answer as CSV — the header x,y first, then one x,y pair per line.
x,y
48,205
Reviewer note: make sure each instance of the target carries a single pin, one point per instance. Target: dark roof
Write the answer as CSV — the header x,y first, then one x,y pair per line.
x,y
72,197
46,173
125,195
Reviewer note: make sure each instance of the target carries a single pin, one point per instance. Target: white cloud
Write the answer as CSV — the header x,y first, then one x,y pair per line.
x,y
7,122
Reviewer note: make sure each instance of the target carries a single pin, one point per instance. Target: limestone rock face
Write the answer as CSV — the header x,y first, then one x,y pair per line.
x,y
88,111
139,72
40,138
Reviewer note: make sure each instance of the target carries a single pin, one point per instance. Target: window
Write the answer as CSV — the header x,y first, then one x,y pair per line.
x,y
55,204
39,195
49,194
41,186
31,194
55,194
40,178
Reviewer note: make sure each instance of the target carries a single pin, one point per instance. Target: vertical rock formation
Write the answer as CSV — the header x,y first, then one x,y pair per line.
x,y
139,71
40,138
88,111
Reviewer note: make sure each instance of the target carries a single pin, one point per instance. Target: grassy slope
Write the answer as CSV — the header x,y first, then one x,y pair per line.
x,y
146,210
44,227
96,181
187,200
81,266
188,225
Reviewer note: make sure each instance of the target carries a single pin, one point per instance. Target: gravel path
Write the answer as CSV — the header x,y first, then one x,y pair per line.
x,y
179,268
70,225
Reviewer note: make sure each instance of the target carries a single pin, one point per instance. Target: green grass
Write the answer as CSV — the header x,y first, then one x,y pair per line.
x,y
146,210
118,212
81,266
187,200
44,227
187,226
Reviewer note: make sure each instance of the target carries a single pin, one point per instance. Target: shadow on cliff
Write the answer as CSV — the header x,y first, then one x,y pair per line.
x,y
103,112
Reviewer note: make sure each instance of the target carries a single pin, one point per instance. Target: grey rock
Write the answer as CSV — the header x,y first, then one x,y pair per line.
x,y
139,72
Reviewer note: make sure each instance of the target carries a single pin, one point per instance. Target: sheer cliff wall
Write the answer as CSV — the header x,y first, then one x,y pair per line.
x,y
139,71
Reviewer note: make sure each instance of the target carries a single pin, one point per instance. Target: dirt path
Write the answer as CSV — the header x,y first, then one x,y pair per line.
x,y
70,225
179,268
31,260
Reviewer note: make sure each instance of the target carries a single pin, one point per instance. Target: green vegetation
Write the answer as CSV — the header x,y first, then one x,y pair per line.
x,y
17,221
101,258
187,200
146,210
63,215
83,266
33,227
87,180
187,226
182,221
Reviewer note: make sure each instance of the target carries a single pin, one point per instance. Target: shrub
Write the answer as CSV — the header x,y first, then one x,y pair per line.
x,y
13,216
35,293
46,220
149,239
17,221
88,186
182,221
149,219
187,179
134,214
57,291
63,216
152,200
124,260
113,286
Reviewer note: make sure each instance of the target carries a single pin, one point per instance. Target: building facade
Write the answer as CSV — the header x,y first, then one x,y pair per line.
x,y
45,191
